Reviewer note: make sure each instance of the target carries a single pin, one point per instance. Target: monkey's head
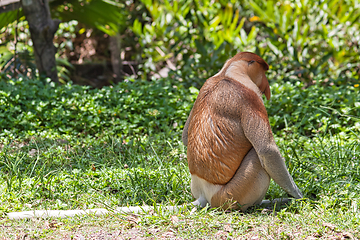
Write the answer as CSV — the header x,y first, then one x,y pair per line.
x,y
255,67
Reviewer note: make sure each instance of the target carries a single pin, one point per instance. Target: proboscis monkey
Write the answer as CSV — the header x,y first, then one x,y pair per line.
x,y
230,146
231,150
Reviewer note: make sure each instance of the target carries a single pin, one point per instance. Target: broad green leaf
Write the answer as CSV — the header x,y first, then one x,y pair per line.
x,y
243,36
229,14
8,17
234,21
175,6
252,34
260,12
95,13
270,7
274,48
137,28
4,49
240,26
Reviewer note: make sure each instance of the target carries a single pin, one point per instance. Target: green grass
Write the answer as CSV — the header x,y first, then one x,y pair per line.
x,y
88,173
298,221
143,162
82,173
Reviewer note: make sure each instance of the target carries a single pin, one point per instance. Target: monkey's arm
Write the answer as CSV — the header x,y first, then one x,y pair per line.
x,y
185,130
257,129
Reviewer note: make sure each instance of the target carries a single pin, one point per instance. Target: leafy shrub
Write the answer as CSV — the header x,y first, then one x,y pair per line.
x,y
314,109
132,107
299,39
310,37
142,108
188,33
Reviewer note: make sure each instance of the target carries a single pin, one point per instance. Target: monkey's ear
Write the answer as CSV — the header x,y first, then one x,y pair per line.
x,y
265,88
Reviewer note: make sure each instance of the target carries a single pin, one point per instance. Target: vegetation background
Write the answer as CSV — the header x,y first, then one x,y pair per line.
x,y
108,134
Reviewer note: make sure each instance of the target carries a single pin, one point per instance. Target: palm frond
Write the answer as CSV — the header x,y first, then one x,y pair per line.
x,y
104,15
8,17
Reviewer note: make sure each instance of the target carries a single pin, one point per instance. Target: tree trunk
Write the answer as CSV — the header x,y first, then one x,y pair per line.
x,y
42,29
114,47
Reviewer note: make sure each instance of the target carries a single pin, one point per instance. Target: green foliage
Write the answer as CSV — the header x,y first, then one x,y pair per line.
x,y
92,146
190,20
16,52
129,108
311,37
9,17
188,32
107,16
315,109
87,172
16,57
304,40
323,165
69,146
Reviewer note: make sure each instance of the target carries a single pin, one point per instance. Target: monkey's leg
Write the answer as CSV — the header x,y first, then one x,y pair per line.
x,y
248,186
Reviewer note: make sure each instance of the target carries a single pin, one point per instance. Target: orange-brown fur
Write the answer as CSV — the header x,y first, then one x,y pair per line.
x,y
217,143
248,186
229,139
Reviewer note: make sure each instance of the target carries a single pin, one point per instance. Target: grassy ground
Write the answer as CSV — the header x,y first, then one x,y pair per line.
x,y
89,173
70,147
107,172
303,220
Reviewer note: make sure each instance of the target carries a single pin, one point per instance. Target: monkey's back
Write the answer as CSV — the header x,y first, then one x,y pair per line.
x,y
216,140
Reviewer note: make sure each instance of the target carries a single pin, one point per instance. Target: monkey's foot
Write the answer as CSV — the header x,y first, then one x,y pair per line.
x,y
200,202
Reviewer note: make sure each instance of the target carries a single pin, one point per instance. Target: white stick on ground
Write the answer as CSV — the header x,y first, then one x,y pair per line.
x,y
71,213
103,211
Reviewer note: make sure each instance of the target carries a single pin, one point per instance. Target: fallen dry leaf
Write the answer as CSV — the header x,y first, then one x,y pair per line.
x,y
169,234
266,211
329,225
153,230
228,228
221,234
79,237
334,237
133,219
32,152
174,220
